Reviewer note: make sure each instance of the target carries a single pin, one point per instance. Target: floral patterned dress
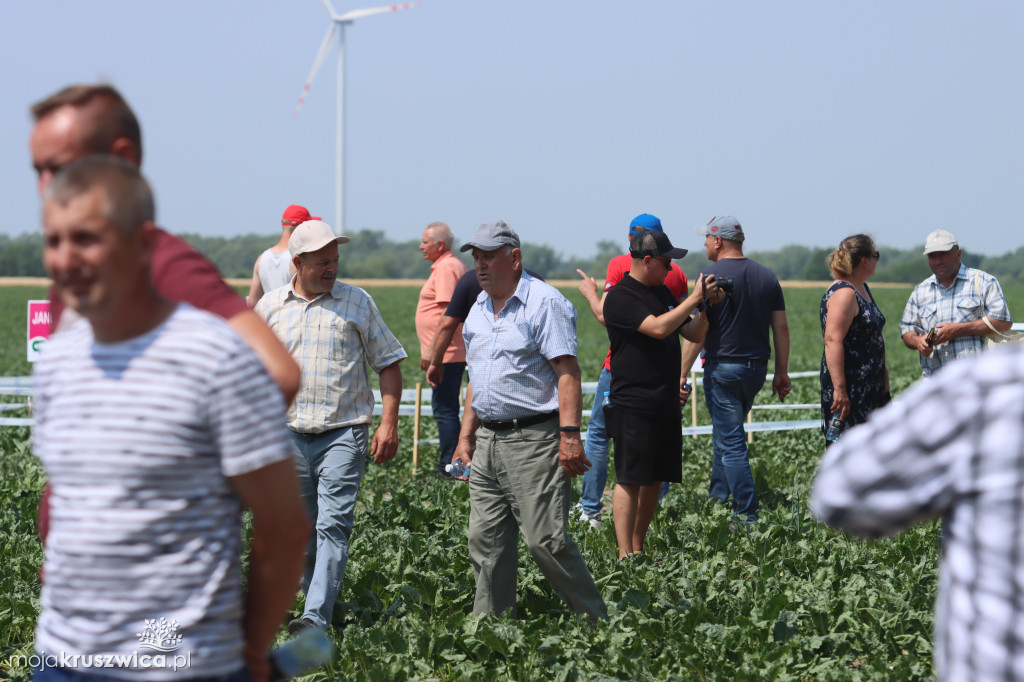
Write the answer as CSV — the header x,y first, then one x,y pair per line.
x,y
863,359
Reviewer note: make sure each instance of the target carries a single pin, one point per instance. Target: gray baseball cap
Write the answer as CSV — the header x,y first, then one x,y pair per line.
x,y
491,236
939,240
724,226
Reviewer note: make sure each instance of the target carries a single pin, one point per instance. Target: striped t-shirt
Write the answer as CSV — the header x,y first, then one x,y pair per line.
x,y
139,440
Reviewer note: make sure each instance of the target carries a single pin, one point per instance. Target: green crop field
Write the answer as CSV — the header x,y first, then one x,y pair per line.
x,y
787,600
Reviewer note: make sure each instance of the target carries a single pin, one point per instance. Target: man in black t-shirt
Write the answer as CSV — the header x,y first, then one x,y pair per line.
x,y
642,414
736,353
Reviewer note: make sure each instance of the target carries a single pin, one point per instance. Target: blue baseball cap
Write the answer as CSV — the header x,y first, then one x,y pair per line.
x,y
647,221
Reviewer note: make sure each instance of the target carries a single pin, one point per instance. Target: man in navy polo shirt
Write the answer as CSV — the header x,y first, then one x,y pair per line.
x,y
736,352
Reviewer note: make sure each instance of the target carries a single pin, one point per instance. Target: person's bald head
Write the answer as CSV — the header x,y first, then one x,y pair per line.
x,y
79,121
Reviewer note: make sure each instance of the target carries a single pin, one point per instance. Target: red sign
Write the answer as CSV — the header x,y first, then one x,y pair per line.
x,y
38,327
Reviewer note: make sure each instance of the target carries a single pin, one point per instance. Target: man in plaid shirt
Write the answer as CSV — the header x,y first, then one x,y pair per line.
x,y
950,447
333,330
950,313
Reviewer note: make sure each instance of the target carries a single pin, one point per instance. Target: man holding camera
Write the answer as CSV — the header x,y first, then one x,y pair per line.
x,y
644,319
736,353
949,314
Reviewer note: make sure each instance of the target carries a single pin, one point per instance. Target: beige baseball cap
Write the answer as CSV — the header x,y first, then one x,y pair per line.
x,y
939,240
312,235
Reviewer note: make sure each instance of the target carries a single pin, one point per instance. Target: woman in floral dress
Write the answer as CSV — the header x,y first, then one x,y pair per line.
x,y
854,378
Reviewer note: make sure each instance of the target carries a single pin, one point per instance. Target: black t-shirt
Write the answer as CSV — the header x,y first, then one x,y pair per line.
x,y
739,325
645,370
466,291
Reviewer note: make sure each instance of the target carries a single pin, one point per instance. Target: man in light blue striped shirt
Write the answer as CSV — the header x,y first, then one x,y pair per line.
x,y
333,330
521,429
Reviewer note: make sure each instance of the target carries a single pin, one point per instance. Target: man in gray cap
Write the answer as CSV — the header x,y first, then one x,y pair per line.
x,y
333,330
736,353
949,314
521,429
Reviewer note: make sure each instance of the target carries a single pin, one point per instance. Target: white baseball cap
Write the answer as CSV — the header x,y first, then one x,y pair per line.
x,y
939,240
312,235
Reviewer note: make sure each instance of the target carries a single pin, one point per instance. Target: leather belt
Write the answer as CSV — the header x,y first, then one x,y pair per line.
x,y
520,422
749,362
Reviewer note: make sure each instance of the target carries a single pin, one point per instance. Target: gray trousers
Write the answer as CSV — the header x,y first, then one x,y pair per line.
x,y
518,485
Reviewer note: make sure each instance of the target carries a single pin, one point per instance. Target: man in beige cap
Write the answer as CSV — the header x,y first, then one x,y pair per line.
x,y
333,330
949,314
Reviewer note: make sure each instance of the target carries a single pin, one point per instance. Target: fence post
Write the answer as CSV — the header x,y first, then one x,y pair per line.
x,y
750,420
416,426
693,399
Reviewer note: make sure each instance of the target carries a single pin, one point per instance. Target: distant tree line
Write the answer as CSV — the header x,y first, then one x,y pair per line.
x,y
371,255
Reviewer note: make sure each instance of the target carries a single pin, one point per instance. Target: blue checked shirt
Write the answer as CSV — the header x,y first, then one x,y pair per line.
x,y
332,337
508,358
974,294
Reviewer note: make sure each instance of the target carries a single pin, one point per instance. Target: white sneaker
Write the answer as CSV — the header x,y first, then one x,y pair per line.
x,y
593,519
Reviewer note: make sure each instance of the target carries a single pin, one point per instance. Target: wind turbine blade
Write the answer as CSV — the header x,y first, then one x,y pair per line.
x,y
325,47
360,13
330,8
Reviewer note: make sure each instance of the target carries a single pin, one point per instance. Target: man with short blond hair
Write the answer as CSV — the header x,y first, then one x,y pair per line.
x,y
950,313
156,425
445,271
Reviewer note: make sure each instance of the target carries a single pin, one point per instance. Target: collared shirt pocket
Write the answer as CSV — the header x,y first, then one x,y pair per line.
x,y
968,309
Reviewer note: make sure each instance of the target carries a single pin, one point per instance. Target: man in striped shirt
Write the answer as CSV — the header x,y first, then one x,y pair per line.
x,y
333,330
156,425
950,447
521,429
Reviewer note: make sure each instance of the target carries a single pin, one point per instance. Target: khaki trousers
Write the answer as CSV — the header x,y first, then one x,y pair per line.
x,y
517,486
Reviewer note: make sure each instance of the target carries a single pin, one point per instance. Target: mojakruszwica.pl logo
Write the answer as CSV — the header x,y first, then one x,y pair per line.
x,y
160,636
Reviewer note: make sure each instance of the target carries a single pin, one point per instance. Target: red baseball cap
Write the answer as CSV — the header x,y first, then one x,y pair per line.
x,y
297,214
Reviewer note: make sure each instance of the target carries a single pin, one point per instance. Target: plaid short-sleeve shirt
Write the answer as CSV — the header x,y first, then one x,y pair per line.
x,y
972,295
333,338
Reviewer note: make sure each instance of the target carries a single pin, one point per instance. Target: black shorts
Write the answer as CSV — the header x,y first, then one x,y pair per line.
x,y
648,448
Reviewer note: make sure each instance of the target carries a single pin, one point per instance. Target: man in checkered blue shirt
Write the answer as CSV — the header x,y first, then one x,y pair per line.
x,y
950,447
950,313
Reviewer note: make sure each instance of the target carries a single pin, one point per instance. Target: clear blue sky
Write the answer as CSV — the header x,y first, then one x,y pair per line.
x,y
808,121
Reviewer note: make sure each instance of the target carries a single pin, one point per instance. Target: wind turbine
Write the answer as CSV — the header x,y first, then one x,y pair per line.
x,y
338,24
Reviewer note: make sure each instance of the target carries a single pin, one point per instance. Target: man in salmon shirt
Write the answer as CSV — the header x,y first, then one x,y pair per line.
x,y
445,271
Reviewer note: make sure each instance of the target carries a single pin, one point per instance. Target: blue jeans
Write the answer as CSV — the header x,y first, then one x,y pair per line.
x,y
729,390
596,449
73,675
445,403
330,467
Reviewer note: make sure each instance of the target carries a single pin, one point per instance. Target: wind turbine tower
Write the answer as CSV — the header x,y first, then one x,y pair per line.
x,y
338,24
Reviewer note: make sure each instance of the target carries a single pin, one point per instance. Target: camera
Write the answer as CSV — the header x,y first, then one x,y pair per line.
x,y
724,283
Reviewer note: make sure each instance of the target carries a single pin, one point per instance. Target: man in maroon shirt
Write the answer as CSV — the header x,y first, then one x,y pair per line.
x,y
82,120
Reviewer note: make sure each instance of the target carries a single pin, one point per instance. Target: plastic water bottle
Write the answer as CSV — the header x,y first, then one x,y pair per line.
x,y
457,468
835,427
310,649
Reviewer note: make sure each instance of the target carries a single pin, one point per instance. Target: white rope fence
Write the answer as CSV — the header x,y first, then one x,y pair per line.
x,y
415,403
